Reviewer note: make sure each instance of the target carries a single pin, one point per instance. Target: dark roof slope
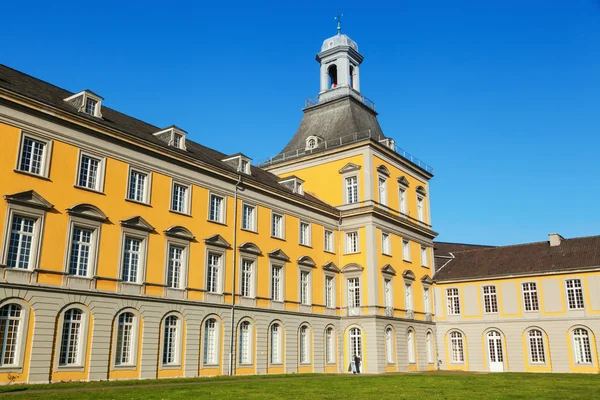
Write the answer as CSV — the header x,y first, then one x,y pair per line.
x,y
26,85
570,254
445,248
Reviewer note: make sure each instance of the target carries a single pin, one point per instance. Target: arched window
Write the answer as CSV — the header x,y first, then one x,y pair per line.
x,y
389,345
171,340
10,325
429,348
537,354
125,339
410,342
276,344
210,342
329,345
71,339
333,80
457,347
245,343
355,342
581,346
304,345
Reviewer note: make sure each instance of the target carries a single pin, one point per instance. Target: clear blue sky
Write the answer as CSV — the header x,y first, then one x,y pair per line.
x,y
501,97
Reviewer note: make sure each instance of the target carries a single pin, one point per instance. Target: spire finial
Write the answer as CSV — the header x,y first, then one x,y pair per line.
x,y
339,21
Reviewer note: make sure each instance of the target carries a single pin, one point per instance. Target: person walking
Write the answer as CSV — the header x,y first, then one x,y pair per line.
x,y
357,363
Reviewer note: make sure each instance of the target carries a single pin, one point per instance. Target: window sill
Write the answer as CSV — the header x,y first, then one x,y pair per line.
x,y
141,203
124,367
249,230
11,368
353,252
87,278
278,238
88,189
18,171
181,213
70,368
386,254
305,245
277,364
170,366
216,222
408,261
211,365
329,251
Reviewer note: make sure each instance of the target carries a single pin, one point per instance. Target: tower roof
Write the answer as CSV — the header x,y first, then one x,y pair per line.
x,y
338,40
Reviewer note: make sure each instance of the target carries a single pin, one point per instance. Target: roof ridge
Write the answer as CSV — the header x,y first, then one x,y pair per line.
x,y
465,244
526,244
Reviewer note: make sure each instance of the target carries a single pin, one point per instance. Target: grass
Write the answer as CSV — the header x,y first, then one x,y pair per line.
x,y
309,386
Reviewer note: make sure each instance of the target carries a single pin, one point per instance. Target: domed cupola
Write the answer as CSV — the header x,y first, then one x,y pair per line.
x,y
338,40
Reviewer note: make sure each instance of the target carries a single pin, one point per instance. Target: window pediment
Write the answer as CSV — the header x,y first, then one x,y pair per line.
x,y
388,269
179,232
382,169
408,274
330,266
306,260
138,223
421,190
403,181
29,198
88,211
426,279
350,167
352,268
279,255
217,240
249,247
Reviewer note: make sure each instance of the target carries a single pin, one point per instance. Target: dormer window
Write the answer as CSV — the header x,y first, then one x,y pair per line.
x,y
295,184
177,138
172,136
240,162
390,143
313,142
90,106
87,102
245,167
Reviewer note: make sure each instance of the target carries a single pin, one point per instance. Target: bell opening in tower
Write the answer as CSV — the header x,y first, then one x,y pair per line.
x,y
351,78
333,80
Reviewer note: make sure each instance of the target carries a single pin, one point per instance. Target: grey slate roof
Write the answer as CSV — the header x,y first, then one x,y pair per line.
x,y
28,86
334,119
529,258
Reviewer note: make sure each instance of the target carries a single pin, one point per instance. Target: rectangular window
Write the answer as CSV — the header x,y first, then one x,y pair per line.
x,y
249,217
402,200
328,245
81,251
329,291
90,106
409,297
179,200
420,209
210,342
177,140
276,282
574,294
406,250
457,349
125,339
424,258
71,337
305,287
352,242
385,243
530,296
351,190
277,226
10,329
387,293
89,173
175,268
33,156
426,304
305,234
354,292
247,271
245,343
138,186
453,301
537,354
20,243
490,301
329,346
382,191
132,254
212,278
216,208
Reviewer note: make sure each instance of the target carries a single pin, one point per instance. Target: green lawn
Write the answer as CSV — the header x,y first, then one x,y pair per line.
x,y
311,387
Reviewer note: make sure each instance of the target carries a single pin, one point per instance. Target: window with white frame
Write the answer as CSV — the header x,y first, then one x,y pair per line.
x,y
180,198
410,342
276,343
21,245
247,279
429,348
328,241
138,189
210,342
71,339
424,258
351,189
305,287
409,297
91,171
356,342
177,138
329,346
387,293
581,346
245,352
453,301
305,234
34,156
132,258
574,294
175,268
11,324
530,296
82,251
420,208
213,273
352,245
490,301
304,345
354,292
402,199
90,106
124,347
277,226
276,282
329,291
405,250
216,213
389,345
249,217
537,354
382,186
171,339
385,243
426,301
457,348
